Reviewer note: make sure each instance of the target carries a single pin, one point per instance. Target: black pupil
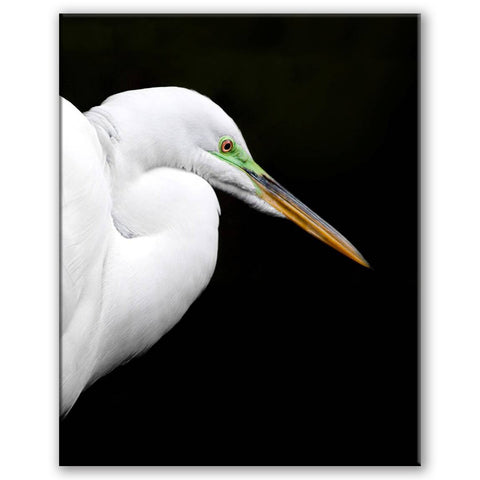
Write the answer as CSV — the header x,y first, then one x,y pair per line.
x,y
227,146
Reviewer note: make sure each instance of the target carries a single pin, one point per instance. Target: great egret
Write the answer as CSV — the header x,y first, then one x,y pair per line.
x,y
140,220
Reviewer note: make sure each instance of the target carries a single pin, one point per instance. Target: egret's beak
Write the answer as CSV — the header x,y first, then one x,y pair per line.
x,y
283,201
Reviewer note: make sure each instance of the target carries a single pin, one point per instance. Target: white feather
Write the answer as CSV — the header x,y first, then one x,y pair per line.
x,y
139,222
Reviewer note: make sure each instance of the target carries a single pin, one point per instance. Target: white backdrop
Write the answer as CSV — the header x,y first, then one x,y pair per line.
x,y
451,237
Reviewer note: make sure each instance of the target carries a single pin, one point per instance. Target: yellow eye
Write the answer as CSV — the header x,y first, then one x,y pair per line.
x,y
226,146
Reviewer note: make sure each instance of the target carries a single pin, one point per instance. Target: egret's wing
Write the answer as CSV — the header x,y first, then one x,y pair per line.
x,y
86,207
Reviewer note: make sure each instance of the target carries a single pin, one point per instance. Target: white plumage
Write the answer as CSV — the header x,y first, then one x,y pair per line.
x,y
140,221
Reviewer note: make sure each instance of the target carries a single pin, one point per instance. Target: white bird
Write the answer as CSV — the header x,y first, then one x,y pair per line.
x,y
139,220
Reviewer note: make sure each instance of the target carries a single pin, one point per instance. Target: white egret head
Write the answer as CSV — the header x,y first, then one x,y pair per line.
x,y
180,128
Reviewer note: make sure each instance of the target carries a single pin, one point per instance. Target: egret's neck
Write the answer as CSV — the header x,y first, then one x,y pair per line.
x,y
136,138
146,195
165,200
127,157
142,130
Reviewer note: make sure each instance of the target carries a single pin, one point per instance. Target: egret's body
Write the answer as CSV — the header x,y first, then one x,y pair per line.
x,y
140,220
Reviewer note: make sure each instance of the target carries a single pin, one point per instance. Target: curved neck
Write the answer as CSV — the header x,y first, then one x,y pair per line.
x,y
140,130
165,199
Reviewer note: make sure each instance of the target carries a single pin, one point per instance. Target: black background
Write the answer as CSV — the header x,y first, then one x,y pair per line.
x,y
294,354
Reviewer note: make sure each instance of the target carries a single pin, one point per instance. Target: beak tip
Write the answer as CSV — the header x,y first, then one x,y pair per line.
x,y
363,262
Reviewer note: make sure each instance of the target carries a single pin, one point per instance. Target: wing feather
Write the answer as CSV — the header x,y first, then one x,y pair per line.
x,y
86,206
85,234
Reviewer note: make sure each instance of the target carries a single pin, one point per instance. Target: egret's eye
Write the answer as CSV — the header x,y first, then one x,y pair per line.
x,y
226,146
